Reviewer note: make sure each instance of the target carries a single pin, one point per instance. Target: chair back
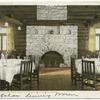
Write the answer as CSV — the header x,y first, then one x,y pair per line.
x,y
26,68
37,62
73,66
23,79
88,70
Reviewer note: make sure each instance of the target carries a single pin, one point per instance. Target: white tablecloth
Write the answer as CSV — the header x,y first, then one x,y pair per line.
x,y
78,63
10,67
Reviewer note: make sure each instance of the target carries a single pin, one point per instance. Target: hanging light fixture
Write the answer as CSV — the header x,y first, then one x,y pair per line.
x,y
6,24
19,28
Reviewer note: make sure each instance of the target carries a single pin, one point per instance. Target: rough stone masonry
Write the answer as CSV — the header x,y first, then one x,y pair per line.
x,y
62,39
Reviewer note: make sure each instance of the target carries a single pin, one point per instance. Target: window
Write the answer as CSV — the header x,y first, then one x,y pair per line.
x,y
97,38
3,39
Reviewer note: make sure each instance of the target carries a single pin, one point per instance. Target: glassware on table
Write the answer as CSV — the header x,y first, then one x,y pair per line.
x,y
82,57
25,58
18,57
4,62
2,56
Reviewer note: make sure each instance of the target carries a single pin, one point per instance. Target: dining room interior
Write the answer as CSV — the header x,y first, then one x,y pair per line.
x,y
49,47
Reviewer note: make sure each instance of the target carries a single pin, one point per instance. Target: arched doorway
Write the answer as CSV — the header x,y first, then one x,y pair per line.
x,y
52,59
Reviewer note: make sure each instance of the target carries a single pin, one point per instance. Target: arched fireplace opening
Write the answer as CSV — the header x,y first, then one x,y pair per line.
x,y
52,59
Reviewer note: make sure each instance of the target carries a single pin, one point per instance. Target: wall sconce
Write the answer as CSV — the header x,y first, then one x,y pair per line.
x,y
19,28
6,24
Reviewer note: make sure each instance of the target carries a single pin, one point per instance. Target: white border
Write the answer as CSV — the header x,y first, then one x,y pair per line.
x,y
49,2
80,94
50,95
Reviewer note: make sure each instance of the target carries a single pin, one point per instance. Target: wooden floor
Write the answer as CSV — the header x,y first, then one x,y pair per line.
x,y
56,79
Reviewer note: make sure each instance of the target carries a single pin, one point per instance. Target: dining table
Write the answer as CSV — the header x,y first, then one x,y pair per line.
x,y
78,64
9,68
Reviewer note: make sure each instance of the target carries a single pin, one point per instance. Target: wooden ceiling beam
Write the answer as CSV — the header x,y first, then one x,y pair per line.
x,y
81,17
83,8
76,21
82,14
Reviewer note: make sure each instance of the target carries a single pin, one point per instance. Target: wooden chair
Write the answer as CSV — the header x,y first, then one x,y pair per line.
x,y
23,79
75,76
89,77
4,85
35,74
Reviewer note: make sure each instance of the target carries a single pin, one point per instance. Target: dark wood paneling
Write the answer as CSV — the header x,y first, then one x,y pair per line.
x,y
48,22
20,40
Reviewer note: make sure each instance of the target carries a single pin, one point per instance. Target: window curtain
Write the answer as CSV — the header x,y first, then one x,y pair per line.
x,y
10,39
92,37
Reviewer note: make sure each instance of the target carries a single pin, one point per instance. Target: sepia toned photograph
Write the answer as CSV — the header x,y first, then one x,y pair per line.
x,y
49,48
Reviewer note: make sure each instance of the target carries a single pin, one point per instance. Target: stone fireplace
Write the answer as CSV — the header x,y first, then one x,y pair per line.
x,y
52,42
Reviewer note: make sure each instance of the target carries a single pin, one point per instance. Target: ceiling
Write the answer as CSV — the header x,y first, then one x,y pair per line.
x,y
27,14
82,14
24,14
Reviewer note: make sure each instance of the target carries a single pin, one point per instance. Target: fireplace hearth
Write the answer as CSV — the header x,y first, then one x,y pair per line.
x,y
52,59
